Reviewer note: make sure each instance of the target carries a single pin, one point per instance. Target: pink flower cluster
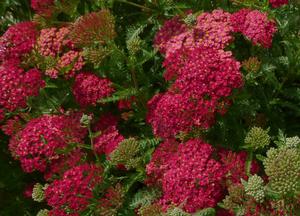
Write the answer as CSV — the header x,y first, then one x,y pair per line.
x,y
278,3
170,29
42,7
73,59
255,25
212,30
109,138
37,143
52,41
18,40
89,88
16,85
71,195
205,77
191,177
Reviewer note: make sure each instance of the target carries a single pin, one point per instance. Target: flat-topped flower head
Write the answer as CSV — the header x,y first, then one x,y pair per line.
x,y
88,88
71,194
37,143
18,40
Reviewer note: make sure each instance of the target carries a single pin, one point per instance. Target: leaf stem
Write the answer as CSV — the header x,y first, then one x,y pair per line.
x,y
135,4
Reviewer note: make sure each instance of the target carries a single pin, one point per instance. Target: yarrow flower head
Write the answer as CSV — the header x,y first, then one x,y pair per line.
x,y
12,126
159,163
89,88
18,40
43,212
52,41
252,64
71,194
194,177
95,27
42,7
38,192
127,153
36,145
278,3
292,142
212,30
205,77
282,166
16,85
257,138
255,187
170,29
255,25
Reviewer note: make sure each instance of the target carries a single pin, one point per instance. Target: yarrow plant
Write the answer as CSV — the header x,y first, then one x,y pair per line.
x,y
149,108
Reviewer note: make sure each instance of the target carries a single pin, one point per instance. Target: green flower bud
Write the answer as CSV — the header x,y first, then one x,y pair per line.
x,y
176,211
127,153
134,45
255,188
257,138
190,19
43,212
85,120
282,166
38,192
151,210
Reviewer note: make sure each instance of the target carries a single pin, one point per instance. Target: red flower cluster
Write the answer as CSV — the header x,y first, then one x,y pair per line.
x,y
36,145
55,43
255,25
193,178
170,29
16,85
109,138
278,3
71,194
42,7
19,39
205,77
212,30
159,163
89,88
12,126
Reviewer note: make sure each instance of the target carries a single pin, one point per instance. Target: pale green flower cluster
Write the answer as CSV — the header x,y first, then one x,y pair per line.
x,y
43,212
127,153
255,188
257,138
282,166
38,192
292,142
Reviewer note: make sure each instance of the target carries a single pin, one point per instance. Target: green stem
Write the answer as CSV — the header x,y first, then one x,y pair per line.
x,y
92,142
249,162
135,4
